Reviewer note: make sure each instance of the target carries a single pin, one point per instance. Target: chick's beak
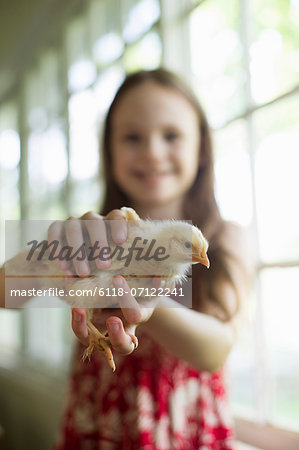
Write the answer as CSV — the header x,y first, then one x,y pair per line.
x,y
201,258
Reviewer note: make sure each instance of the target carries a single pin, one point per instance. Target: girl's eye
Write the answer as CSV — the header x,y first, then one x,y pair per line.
x,y
188,244
171,136
132,137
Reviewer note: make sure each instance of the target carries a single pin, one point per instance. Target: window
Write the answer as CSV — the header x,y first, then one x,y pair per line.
x,y
243,68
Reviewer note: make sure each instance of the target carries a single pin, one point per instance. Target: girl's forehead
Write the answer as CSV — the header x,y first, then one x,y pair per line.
x,y
152,93
151,101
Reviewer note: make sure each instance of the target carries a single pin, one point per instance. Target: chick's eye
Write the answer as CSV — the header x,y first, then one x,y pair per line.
x,y
187,244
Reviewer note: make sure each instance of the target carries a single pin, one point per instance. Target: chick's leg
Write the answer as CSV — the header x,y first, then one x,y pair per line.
x,y
97,340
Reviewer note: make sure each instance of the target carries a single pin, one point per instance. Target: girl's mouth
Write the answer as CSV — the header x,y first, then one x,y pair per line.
x,y
152,178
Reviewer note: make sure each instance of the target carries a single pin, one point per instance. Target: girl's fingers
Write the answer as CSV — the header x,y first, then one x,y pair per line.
x,y
96,228
55,233
79,325
90,215
120,340
101,315
74,235
69,279
118,225
98,237
129,306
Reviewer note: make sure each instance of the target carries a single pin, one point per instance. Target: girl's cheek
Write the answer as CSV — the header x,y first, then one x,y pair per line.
x,y
118,161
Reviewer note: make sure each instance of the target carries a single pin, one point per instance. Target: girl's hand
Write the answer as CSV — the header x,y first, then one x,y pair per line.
x,y
119,322
71,232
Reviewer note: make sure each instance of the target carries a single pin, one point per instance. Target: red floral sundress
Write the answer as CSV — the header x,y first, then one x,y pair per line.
x,y
153,401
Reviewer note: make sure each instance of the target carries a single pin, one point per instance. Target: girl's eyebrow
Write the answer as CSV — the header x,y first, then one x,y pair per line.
x,y
128,125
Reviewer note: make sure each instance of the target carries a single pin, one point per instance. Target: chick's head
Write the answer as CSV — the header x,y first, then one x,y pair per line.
x,y
185,243
199,248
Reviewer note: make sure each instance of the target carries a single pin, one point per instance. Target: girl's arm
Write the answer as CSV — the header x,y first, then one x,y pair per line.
x,y
200,339
4,302
18,284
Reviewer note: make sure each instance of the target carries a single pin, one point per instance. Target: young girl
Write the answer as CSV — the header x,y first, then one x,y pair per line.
x,y
169,393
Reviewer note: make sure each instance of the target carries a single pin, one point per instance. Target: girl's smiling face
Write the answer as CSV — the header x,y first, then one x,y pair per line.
x,y
155,144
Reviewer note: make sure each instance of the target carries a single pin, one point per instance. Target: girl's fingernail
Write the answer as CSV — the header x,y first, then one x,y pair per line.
x,y
77,317
118,281
103,264
113,326
84,269
121,236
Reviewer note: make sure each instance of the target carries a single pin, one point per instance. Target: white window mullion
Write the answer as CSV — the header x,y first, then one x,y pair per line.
x,y
261,369
175,36
24,133
63,78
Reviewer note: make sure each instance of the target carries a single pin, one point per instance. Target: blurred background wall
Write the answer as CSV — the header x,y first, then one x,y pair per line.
x,y
60,65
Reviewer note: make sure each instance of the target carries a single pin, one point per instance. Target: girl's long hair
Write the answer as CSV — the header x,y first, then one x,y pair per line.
x,y
200,204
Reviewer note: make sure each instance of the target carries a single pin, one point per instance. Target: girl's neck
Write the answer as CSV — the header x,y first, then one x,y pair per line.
x,y
171,210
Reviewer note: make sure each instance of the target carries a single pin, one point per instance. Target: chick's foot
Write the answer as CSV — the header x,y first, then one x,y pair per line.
x,y
99,341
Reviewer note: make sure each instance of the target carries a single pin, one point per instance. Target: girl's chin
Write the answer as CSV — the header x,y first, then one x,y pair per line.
x,y
152,182
154,191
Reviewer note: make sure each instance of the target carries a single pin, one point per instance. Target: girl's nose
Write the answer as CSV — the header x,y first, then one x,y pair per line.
x,y
153,149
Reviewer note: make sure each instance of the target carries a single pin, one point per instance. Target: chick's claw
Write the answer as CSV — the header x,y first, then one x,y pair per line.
x,y
98,340
88,351
134,340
